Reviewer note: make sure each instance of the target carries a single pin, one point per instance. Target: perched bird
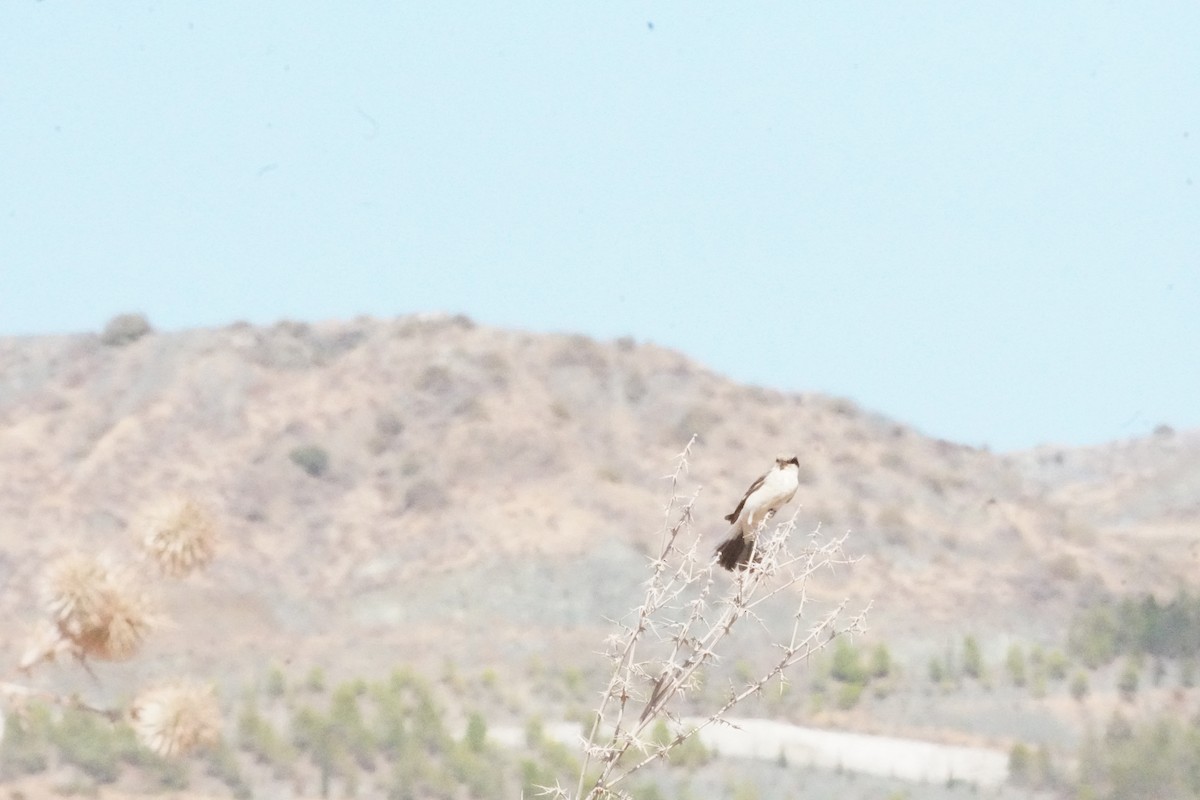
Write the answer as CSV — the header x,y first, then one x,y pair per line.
x,y
764,497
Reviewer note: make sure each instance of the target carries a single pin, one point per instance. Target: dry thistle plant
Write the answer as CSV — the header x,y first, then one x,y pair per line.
x,y
99,611
176,719
180,535
688,612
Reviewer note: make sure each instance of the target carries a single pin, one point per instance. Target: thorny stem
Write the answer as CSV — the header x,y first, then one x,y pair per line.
x,y
620,676
18,693
770,560
794,653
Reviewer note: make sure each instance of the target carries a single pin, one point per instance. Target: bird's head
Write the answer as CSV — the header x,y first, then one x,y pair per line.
x,y
783,463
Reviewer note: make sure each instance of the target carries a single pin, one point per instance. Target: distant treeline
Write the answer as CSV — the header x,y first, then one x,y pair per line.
x,y
1158,758
1135,625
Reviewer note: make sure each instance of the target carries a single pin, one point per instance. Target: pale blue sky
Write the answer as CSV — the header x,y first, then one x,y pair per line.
x,y
982,219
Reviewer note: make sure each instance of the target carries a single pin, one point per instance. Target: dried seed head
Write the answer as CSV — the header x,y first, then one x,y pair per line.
x,y
176,719
126,624
180,535
99,612
76,594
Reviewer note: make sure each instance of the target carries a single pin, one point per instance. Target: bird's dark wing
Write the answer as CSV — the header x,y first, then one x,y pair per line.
x,y
754,486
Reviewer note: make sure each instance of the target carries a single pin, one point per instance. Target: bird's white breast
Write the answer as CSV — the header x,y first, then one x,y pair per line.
x,y
777,488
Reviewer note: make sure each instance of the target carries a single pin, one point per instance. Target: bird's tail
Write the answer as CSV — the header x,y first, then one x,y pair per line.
x,y
734,552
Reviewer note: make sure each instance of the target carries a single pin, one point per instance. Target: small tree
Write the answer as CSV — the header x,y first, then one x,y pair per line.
x,y
311,458
847,663
1079,685
972,658
1015,664
881,661
1127,683
476,736
124,329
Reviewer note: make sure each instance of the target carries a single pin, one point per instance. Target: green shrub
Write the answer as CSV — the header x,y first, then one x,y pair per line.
x,y
849,694
347,726
222,764
475,738
124,329
315,682
90,743
881,661
1056,665
1020,765
847,664
311,458
1015,664
1127,683
276,684
26,744
1156,759
972,658
258,737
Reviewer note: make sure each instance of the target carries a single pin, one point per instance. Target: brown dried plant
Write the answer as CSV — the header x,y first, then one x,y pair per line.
x,y
180,535
176,719
100,611
688,612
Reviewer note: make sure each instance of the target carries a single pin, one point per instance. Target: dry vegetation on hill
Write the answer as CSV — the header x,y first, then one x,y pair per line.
x,y
426,490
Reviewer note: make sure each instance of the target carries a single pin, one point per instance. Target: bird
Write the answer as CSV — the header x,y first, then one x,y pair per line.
x,y
768,494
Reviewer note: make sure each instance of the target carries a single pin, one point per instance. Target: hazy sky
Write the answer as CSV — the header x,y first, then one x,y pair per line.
x,y
982,219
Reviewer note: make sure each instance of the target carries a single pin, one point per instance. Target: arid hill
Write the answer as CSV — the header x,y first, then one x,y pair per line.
x,y
428,488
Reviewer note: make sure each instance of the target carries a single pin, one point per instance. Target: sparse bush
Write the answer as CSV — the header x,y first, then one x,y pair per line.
x,y
26,742
635,388
573,681
1065,567
1127,683
311,458
972,658
1132,625
388,427
881,661
476,736
124,329
258,737
1156,759
937,671
222,764
1020,765
892,518
847,664
435,379
1056,665
348,726
849,694
894,460
1015,664
89,743
1079,685
315,682
425,495
276,684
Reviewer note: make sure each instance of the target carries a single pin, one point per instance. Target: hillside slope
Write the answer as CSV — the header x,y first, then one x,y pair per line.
x,y
479,480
